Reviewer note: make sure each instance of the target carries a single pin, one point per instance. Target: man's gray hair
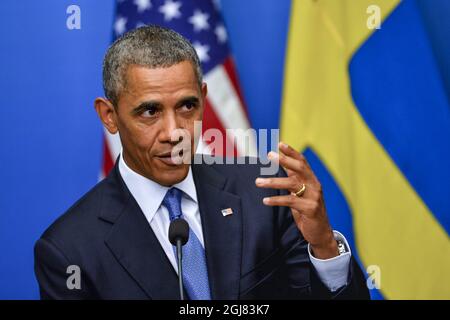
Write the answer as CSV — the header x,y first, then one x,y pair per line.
x,y
150,46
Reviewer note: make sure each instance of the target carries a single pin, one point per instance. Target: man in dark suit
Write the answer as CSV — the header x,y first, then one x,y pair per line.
x,y
250,236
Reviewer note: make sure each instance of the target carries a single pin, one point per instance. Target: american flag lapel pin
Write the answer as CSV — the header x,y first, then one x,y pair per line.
x,y
227,212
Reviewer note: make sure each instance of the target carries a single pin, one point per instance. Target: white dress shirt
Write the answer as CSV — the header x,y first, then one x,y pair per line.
x,y
149,196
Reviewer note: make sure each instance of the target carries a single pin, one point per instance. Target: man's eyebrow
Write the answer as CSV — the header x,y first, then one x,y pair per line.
x,y
190,99
146,105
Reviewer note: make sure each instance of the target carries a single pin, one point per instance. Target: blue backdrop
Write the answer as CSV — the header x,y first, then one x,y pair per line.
x,y
50,136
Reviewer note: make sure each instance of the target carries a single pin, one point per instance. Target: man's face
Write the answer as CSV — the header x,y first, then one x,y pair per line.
x,y
154,103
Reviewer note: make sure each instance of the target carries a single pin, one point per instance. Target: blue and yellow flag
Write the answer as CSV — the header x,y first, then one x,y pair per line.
x,y
369,109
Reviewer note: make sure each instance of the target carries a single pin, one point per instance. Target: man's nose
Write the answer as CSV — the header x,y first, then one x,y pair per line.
x,y
169,125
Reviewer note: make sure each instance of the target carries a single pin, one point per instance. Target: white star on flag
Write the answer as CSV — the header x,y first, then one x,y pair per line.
x,y
120,25
221,33
143,5
170,9
202,51
199,20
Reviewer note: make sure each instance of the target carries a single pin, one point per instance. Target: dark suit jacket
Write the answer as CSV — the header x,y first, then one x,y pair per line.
x,y
255,253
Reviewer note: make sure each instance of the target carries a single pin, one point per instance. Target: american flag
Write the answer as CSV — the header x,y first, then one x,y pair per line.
x,y
200,22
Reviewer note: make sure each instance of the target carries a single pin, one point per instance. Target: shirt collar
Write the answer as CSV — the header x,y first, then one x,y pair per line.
x,y
150,194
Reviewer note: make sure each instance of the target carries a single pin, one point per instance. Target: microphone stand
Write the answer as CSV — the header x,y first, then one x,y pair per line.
x,y
180,267
179,236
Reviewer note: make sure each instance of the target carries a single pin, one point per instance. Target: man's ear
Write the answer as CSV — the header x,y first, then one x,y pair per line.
x,y
204,90
107,114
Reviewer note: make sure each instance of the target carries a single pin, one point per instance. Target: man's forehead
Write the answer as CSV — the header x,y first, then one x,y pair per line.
x,y
183,68
144,82
181,74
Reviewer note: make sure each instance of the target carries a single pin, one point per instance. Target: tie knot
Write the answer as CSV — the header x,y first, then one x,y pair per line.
x,y
172,201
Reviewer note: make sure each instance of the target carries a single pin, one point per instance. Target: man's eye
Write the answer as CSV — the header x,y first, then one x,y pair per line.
x,y
189,105
150,112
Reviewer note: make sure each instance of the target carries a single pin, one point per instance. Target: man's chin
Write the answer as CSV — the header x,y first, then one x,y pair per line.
x,y
170,175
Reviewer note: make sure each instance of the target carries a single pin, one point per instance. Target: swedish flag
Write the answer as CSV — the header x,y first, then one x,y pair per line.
x,y
368,108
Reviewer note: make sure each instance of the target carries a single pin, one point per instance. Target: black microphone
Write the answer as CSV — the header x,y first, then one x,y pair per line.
x,y
178,236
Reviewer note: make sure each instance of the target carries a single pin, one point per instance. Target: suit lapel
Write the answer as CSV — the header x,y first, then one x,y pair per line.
x,y
134,244
222,234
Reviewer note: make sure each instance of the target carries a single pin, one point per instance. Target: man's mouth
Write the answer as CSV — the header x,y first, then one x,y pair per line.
x,y
167,158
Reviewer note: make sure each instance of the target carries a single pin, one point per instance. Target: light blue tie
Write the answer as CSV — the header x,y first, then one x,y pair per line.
x,y
195,273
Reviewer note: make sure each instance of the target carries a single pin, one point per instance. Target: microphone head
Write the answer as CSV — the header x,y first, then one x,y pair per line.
x,y
178,229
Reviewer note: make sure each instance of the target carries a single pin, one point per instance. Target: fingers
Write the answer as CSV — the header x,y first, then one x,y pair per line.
x,y
291,184
299,173
293,162
286,162
302,205
278,183
290,152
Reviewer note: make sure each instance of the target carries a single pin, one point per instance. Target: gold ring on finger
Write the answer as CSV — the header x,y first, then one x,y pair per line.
x,y
301,191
